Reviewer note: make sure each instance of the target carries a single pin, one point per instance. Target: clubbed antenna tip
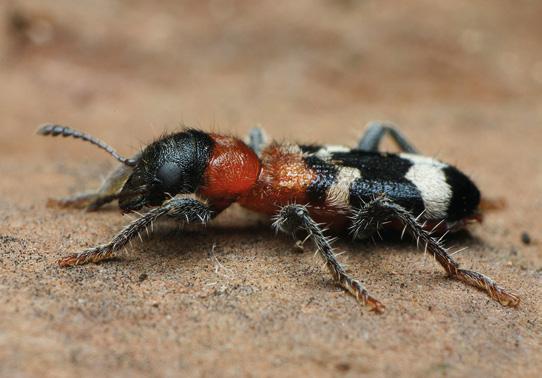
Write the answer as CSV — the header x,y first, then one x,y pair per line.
x,y
55,130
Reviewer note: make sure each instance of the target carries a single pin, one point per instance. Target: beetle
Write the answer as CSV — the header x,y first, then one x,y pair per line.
x,y
302,188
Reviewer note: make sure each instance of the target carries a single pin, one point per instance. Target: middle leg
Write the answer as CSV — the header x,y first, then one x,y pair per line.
x,y
292,218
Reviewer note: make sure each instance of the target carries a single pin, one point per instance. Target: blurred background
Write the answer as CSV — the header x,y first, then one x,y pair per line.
x,y
127,70
462,78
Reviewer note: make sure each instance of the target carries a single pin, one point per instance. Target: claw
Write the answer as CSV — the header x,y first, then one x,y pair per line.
x,y
67,261
376,306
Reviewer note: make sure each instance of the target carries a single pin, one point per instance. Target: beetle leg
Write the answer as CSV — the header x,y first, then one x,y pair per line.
x,y
376,130
183,209
107,192
381,209
257,140
296,217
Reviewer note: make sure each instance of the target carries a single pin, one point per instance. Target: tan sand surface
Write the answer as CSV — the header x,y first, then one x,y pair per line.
x,y
462,78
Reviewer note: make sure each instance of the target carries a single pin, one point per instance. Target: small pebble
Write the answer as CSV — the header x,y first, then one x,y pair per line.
x,y
143,277
343,366
525,238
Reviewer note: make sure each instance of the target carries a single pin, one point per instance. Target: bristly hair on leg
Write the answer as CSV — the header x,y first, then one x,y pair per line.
x,y
386,208
176,208
298,216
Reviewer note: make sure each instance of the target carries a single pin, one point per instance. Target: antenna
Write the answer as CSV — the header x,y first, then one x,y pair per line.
x,y
55,130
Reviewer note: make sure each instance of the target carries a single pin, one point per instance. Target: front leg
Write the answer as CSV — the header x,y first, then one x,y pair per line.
x,y
108,191
183,209
382,209
296,217
257,140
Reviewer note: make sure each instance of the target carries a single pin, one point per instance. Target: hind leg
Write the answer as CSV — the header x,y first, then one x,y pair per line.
x,y
381,209
376,130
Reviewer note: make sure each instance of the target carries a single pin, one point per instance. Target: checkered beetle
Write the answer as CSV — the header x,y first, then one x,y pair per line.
x,y
303,188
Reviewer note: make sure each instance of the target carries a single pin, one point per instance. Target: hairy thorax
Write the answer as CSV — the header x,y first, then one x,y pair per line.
x,y
285,178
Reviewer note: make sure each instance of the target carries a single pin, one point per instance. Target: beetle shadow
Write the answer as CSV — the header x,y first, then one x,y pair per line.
x,y
54,203
392,239
172,241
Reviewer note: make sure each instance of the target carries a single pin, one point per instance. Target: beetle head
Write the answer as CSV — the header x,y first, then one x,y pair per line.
x,y
172,165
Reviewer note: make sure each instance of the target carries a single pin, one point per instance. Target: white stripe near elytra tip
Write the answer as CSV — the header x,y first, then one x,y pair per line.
x,y
428,176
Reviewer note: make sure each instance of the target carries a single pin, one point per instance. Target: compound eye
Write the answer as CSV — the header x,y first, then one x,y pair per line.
x,y
170,177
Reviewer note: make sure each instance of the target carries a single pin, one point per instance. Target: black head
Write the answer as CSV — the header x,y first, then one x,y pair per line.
x,y
171,165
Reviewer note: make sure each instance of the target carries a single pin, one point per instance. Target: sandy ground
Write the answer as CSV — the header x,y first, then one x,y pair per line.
x,y
462,78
